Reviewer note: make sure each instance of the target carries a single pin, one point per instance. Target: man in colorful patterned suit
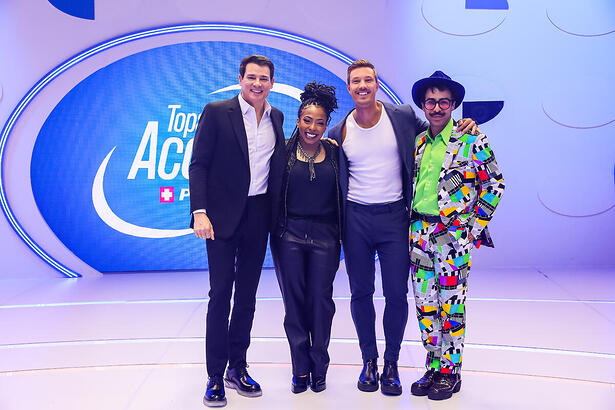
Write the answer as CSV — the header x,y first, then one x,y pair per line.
x,y
457,185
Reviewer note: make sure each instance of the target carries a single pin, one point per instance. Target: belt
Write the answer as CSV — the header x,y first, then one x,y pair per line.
x,y
379,208
432,219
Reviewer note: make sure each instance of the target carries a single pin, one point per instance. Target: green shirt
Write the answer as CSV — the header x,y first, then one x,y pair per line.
x,y
426,195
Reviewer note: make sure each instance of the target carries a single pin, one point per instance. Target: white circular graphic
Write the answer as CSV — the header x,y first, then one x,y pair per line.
x,y
582,103
453,18
587,18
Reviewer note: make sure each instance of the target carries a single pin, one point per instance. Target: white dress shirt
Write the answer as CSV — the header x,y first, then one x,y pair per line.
x,y
261,142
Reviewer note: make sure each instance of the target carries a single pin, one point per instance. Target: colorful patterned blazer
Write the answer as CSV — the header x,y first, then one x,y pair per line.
x,y
469,188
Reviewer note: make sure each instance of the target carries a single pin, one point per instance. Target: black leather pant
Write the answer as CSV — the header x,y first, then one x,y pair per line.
x,y
307,257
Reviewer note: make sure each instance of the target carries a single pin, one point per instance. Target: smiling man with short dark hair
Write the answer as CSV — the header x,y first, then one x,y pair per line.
x,y
236,168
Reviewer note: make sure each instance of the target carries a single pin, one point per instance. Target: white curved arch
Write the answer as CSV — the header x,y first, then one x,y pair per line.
x,y
106,214
285,89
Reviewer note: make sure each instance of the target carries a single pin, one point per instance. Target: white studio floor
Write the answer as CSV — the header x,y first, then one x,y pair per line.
x,y
536,340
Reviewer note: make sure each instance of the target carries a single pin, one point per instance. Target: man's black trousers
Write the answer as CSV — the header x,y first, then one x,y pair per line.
x,y
237,261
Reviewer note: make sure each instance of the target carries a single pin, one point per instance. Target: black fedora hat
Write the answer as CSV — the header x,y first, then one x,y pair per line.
x,y
419,88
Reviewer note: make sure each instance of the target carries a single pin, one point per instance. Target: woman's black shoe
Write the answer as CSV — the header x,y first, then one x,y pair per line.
x,y
300,383
319,383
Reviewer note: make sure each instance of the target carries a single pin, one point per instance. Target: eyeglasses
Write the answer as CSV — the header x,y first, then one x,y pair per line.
x,y
444,103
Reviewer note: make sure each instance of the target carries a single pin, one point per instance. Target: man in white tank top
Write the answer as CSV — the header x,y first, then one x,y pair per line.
x,y
376,165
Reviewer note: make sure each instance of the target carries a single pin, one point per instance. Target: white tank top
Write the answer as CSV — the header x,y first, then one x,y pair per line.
x,y
374,165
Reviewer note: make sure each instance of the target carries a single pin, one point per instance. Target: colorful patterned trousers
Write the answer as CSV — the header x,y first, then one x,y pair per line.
x,y
439,267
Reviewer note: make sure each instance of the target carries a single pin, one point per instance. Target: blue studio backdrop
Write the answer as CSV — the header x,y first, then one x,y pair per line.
x,y
109,168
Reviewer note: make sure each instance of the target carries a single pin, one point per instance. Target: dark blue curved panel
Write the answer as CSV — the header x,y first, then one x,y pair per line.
x,y
482,111
83,9
487,4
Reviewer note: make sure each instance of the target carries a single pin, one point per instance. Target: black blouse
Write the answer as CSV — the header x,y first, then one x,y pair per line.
x,y
312,199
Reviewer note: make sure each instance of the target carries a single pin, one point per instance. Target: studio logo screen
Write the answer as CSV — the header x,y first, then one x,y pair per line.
x,y
109,167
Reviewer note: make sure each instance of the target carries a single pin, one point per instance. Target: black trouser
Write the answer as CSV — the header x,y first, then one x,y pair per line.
x,y
307,257
236,260
368,229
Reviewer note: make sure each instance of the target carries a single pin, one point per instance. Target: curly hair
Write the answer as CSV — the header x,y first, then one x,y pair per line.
x,y
321,95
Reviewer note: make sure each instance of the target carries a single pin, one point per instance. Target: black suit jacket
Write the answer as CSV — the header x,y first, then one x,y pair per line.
x,y
219,172
406,126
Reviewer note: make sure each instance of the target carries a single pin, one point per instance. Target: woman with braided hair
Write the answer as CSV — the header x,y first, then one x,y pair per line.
x,y
306,248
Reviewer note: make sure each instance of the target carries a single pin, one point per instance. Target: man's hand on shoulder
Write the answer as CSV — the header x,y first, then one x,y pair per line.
x,y
330,141
202,226
467,126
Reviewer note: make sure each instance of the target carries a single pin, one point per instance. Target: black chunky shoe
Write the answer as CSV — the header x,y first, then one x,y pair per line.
x,y
240,380
389,381
444,386
422,385
214,395
318,384
300,383
368,379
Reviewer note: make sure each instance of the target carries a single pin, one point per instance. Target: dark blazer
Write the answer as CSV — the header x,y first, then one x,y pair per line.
x,y
219,172
406,126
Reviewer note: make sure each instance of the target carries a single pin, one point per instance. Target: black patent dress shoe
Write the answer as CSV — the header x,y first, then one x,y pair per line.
x,y
422,385
214,395
444,386
389,381
240,380
319,383
368,379
300,383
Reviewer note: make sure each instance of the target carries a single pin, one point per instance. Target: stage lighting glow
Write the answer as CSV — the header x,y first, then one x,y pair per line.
x,y
352,341
275,299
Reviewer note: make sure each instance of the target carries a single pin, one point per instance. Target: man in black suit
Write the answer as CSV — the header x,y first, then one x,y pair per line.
x,y
237,160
